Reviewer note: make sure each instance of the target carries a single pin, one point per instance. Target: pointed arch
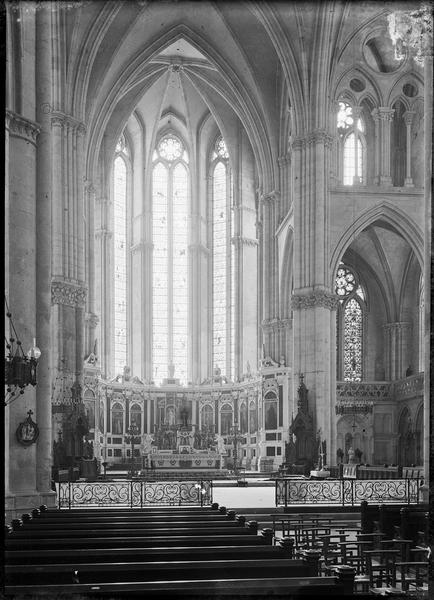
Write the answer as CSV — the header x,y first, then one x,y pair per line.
x,y
384,212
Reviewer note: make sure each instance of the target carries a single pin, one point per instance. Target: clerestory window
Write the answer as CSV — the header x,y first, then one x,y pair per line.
x,y
120,255
352,145
170,198
223,265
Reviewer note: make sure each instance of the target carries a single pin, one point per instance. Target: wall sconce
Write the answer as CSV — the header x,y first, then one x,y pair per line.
x,y
20,368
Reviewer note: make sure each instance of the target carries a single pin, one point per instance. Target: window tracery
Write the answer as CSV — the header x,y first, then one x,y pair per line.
x,y
349,324
351,129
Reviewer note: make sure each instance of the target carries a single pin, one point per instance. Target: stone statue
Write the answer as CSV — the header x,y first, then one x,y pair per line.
x,y
184,416
351,460
221,449
148,438
127,373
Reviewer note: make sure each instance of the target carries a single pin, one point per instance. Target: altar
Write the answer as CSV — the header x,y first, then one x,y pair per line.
x,y
183,460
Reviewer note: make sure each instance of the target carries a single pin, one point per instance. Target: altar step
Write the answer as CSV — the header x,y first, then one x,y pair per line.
x,y
176,474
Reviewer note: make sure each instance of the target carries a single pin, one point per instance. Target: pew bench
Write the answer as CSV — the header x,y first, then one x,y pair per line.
x,y
157,529
118,572
283,587
60,544
86,555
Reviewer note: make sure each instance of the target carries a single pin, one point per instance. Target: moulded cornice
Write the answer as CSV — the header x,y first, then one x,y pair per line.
x,y
317,299
21,127
68,293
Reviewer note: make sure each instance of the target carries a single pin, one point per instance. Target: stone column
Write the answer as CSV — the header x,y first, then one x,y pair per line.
x,y
428,125
376,116
408,118
386,115
313,304
103,239
398,350
20,265
358,177
43,78
269,272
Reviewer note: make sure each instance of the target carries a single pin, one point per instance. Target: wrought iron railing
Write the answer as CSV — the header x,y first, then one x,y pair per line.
x,y
134,493
346,492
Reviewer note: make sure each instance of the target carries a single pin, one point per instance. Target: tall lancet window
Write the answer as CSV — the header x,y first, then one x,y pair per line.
x,y
120,255
170,185
223,291
349,325
352,145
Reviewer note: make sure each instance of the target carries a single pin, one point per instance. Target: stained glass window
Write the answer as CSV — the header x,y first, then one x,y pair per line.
x,y
353,320
349,324
345,281
223,263
120,260
220,235
170,258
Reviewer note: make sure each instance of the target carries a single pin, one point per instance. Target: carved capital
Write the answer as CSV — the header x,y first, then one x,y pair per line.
x,y
68,293
316,299
59,119
408,117
21,127
269,325
270,197
317,136
91,319
386,114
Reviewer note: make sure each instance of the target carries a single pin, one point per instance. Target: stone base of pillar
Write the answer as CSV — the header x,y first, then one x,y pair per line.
x,y
17,504
408,182
385,180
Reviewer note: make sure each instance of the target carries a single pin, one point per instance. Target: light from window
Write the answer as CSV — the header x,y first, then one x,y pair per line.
x,y
345,281
179,269
352,168
345,118
170,148
170,259
353,319
160,271
221,149
120,263
220,243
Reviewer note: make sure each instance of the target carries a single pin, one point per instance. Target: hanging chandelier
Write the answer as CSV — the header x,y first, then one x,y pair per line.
x,y
20,368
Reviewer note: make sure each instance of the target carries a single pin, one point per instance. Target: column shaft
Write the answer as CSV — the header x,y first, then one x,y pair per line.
x,y
44,36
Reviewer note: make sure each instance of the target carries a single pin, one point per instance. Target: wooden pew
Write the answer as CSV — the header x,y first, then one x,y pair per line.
x,y
116,572
284,587
86,555
150,541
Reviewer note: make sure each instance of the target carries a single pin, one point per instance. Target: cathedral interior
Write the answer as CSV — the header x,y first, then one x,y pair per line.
x,y
291,143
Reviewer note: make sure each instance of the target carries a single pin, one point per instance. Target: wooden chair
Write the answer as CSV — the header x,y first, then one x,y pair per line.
x,y
413,575
381,570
